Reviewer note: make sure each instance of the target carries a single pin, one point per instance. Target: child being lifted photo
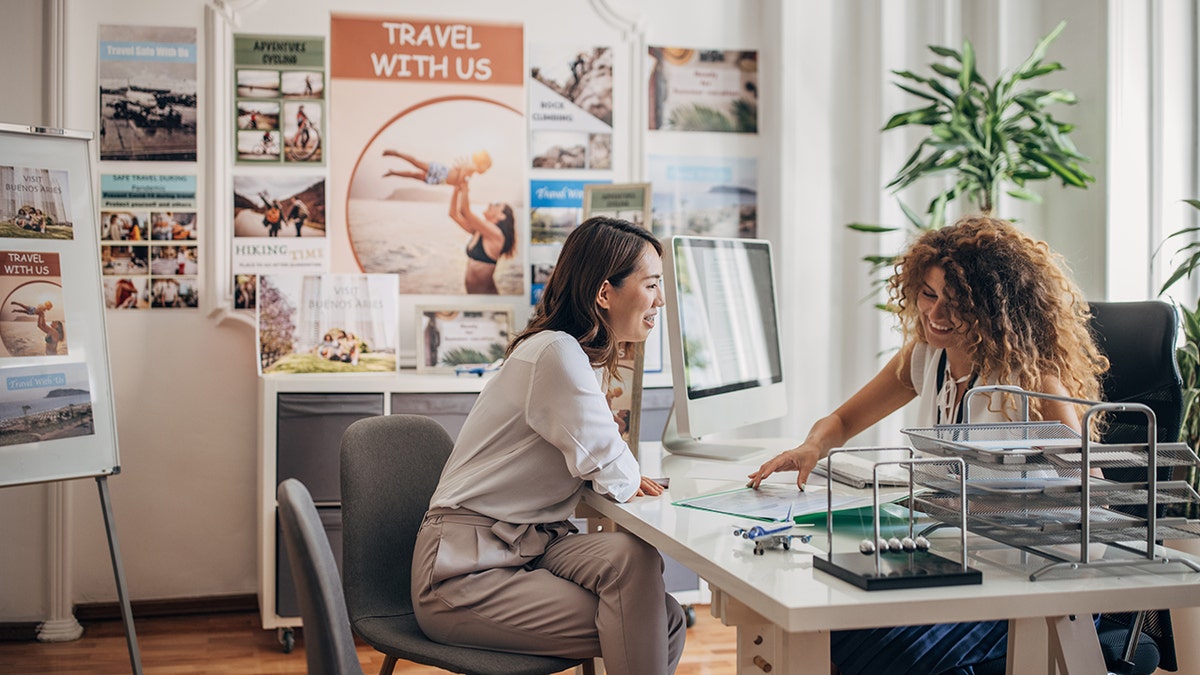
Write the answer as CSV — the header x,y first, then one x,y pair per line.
x,y
435,173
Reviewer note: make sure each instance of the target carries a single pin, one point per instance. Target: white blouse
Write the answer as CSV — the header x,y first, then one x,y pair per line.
x,y
924,372
538,431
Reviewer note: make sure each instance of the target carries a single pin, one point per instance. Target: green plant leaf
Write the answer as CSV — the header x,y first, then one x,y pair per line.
x,y
968,66
1039,71
945,51
1039,51
1195,203
864,227
912,216
1026,195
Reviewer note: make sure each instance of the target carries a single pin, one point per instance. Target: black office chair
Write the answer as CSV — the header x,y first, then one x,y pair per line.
x,y
1139,340
390,467
328,643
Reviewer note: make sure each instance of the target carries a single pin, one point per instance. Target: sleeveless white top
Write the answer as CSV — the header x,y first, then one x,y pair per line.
x,y
924,372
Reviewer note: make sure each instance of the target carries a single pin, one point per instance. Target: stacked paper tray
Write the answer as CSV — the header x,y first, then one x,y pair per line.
x,y
998,443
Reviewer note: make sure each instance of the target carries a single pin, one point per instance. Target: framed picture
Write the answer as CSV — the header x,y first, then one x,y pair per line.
x,y
462,339
627,201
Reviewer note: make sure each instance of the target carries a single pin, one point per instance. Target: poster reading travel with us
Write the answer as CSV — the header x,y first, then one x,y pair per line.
x,y
32,320
431,155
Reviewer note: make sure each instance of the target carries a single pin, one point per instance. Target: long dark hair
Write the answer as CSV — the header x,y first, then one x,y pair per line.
x,y
601,249
508,229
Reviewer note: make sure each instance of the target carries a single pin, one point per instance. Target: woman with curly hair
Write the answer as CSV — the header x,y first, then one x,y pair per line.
x,y
978,303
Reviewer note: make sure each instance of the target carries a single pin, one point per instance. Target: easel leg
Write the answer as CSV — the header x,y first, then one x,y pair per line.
x,y
135,658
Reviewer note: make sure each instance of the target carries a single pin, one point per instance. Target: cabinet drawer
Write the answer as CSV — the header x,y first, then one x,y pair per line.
x,y
309,438
448,410
287,603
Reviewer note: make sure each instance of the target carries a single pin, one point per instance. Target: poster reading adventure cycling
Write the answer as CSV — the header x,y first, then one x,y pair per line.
x,y
280,99
431,155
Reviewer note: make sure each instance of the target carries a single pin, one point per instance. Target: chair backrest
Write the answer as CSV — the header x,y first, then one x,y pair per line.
x,y
390,467
328,643
1139,340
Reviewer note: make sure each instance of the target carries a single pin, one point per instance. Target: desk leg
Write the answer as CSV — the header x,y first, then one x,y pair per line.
x,y
763,647
1037,645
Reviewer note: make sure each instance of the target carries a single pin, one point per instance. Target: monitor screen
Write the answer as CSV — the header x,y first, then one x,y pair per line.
x,y
723,333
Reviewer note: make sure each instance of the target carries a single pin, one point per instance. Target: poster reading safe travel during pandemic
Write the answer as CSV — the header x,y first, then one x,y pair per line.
x,y
431,150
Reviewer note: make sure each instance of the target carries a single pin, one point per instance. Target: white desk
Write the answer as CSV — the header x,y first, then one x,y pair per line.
x,y
784,609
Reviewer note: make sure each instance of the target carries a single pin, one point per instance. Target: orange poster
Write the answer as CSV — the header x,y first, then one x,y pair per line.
x,y
426,177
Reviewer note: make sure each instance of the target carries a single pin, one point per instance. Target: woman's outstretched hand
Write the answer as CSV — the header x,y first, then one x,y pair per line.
x,y
801,459
649,488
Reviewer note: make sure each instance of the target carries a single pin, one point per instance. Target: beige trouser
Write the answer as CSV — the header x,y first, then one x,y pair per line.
x,y
542,590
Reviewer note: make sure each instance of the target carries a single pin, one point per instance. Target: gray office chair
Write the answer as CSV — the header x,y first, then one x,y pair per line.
x,y
390,467
328,642
1139,340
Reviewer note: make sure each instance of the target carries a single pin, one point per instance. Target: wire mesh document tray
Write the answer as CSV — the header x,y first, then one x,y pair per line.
x,y
1030,485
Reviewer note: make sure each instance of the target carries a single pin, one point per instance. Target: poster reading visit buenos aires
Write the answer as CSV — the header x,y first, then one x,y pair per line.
x,y
426,180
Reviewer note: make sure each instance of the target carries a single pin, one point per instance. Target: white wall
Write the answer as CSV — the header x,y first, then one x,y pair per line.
x,y
185,382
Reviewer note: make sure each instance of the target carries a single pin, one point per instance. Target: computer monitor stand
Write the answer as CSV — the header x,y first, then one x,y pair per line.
x,y
677,444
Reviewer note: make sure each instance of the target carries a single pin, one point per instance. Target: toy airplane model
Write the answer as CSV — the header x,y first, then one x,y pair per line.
x,y
478,368
772,536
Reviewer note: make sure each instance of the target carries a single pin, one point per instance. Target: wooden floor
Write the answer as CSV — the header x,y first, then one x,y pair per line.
x,y
236,644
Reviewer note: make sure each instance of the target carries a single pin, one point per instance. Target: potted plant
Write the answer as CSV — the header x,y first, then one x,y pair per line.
x,y
990,138
1187,355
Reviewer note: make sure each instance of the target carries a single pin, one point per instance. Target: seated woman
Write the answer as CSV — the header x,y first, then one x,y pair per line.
x,y
497,564
978,303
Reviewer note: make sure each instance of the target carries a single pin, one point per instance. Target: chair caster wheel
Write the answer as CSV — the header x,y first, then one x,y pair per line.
x,y
689,614
287,638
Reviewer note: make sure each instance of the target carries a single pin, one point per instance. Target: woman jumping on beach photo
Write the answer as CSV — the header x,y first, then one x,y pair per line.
x,y
493,236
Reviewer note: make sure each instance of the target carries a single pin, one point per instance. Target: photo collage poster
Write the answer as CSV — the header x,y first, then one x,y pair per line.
x,y
279,99
149,241
148,93
570,141
44,394
702,141
327,323
431,173
279,149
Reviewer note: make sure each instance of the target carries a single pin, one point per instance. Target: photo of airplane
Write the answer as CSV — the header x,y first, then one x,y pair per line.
x,y
774,535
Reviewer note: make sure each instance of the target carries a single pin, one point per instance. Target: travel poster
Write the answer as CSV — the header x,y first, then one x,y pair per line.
x,y
279,99
149,248
703,90
556,209
571,107
147,93
279,223
33,317
431,155
462,340
44,403
327,323
34,203
706,196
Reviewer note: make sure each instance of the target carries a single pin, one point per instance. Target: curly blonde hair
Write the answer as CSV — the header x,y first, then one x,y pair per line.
x,y
1024,317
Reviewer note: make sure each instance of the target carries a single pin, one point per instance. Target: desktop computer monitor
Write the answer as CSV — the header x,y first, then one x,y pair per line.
x,y
723,337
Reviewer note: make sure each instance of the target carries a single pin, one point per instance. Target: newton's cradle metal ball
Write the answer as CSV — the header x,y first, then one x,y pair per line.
x,y
894,545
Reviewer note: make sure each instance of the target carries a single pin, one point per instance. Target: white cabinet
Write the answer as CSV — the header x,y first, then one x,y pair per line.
x,y
301,421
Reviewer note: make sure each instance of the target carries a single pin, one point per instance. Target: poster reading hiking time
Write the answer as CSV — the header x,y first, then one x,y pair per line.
x,y
34,203
431,155
279,99
149,248
32,318
570,107
279,223
147,93
703,90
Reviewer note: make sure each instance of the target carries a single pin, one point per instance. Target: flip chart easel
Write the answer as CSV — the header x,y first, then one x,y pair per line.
x,y
56,415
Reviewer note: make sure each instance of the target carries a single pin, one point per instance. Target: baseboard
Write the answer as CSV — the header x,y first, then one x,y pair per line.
x,y
215,604
19,632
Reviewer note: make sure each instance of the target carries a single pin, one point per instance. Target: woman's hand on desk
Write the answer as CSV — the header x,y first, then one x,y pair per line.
x,y
801,459
649,488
